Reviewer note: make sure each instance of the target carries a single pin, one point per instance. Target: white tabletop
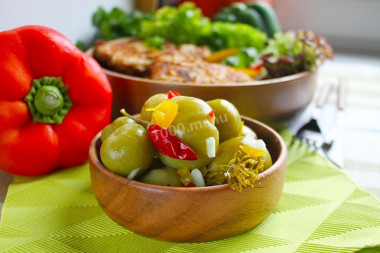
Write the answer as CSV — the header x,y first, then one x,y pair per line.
x,y
362,116
362,129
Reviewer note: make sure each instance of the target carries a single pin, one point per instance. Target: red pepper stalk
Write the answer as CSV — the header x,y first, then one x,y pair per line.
x,y
53,100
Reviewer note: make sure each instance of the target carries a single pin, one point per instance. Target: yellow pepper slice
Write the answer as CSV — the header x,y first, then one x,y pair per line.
x,y
185,176
219,56
164,113
252,152
249,71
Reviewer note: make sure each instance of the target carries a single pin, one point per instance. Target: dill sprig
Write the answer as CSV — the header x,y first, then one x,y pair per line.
x,y
241,171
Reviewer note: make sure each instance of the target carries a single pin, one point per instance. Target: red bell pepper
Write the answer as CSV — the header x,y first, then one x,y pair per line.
x,y
189,185
211,7
53,99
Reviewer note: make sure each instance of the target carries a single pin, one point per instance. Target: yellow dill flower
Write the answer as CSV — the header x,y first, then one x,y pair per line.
x,y
241,171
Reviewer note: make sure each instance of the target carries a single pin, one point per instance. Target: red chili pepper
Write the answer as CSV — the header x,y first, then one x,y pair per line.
x,y
53,99
172,94
189,185
169,144
257,67
211,117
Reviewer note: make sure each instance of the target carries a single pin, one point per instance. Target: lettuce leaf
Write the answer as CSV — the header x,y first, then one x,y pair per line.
x,y
117,23
182,25
293,52
233,35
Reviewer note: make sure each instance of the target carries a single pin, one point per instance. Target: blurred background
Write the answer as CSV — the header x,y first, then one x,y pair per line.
x,y
349,25
71,17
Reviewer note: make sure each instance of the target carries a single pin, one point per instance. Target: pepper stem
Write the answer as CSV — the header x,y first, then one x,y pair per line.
x,y
141,122
48,100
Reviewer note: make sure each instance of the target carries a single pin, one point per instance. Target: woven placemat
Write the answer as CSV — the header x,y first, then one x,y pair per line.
x,y
321,210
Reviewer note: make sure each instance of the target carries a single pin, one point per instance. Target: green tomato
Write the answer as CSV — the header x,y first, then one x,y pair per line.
x,y
227,150
227,118
128,149
118,122
247,131
192,126
164,176
152,102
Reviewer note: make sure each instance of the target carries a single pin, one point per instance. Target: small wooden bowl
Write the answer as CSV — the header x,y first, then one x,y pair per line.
x,y
196,214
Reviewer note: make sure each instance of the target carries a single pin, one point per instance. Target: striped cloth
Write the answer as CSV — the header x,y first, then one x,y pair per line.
x,y
320,210
362,131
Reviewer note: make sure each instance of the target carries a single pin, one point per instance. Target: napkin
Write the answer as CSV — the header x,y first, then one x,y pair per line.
x,y
321,210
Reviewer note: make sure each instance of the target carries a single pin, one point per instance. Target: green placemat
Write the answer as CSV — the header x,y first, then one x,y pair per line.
x,y
321,210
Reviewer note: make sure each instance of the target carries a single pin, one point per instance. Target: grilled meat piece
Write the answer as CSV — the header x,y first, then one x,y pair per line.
x,y
194,51
129,57
184,63
174,66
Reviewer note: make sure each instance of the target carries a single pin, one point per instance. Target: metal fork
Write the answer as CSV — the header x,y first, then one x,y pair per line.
x,y
311,133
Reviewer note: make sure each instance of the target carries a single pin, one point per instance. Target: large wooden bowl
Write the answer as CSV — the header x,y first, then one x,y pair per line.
x,y
196,214
271,101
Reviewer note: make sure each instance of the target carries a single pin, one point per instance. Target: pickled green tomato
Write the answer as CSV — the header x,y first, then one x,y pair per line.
x,y
162,176
118,122
192,126
152,102
227,118
228,148
128,149
247,131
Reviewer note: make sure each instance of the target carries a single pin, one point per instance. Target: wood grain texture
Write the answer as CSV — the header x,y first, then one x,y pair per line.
x,y
190,214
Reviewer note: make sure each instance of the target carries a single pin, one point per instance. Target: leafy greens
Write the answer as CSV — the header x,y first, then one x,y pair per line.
x,y
182,25
293,52
285,54
244,59
116,23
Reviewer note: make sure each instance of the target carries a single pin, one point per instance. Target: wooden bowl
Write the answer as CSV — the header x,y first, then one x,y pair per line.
x,y
198,214
271,101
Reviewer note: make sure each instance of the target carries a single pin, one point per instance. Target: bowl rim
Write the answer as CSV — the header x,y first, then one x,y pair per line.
x,y
273,81
93,157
